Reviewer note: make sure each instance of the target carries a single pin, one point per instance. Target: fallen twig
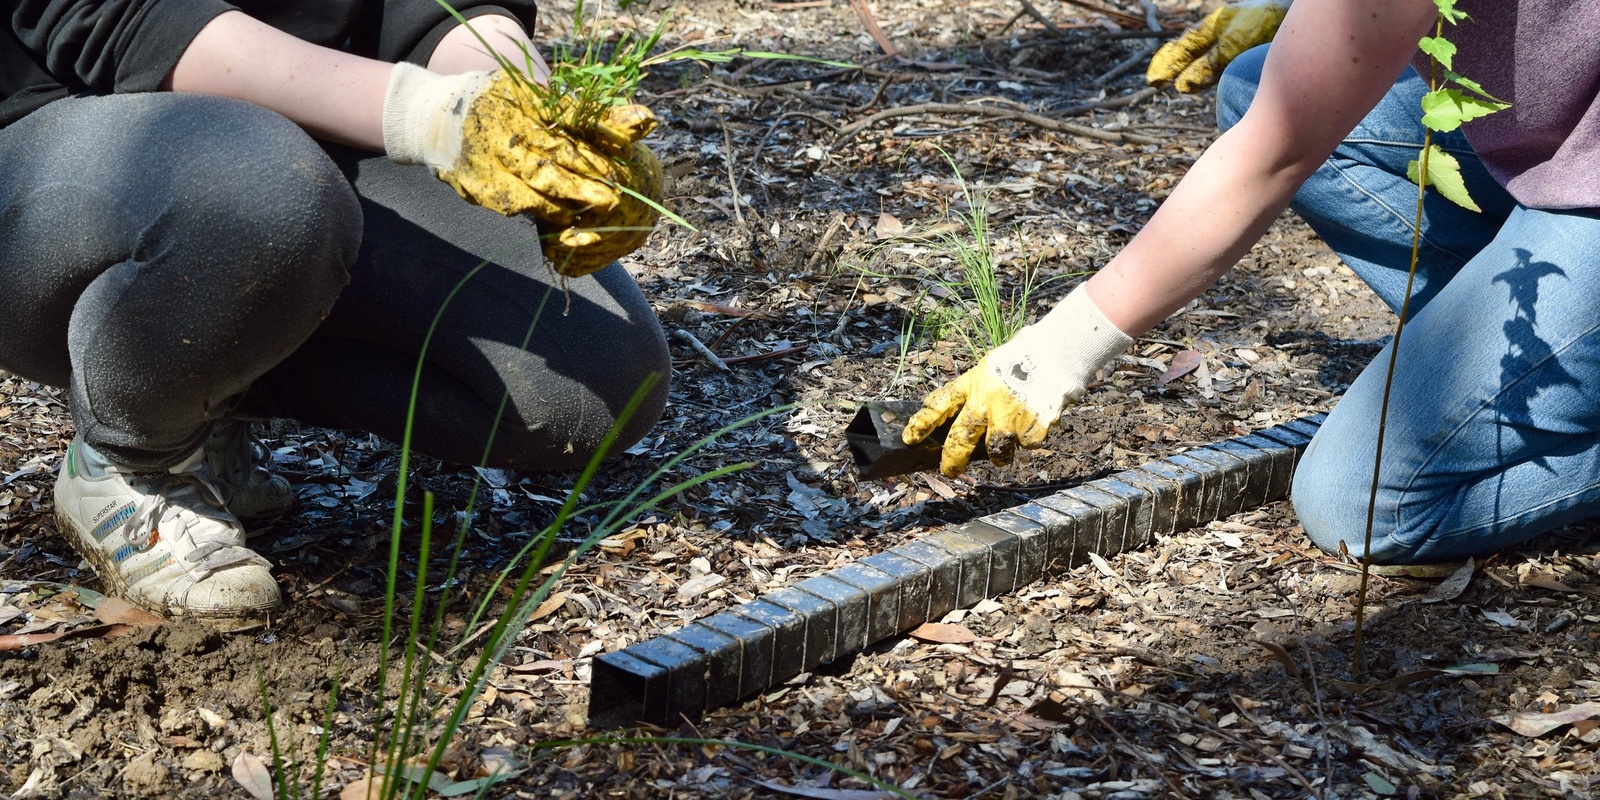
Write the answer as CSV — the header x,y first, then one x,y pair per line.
x,y
1139,57
883,86
755,156
1164,33
1149,762
1110,102
787,351
701,348
822,245
727,161
1151,19
1028,8
717,343
1122,18
864,13
1002,113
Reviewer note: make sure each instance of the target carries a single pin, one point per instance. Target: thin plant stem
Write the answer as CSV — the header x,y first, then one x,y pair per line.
x,y
411,691
1358,666
402,470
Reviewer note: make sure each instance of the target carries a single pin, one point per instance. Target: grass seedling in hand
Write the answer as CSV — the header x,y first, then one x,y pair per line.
x,y
589,98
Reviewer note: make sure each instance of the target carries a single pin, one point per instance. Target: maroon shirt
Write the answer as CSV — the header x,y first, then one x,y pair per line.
x,y
1543,57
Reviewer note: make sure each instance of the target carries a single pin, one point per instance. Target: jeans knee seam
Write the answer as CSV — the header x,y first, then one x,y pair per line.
x,y
1393,213
1418,145
1527,513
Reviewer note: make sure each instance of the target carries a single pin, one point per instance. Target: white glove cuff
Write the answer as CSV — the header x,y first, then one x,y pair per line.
x,y
1051,362
423,114
1085,339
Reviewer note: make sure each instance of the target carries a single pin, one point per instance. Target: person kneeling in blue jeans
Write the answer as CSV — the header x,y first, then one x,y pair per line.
x,y
1494,421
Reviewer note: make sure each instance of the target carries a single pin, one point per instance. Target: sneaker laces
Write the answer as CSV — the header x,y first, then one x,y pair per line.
x,y
168,497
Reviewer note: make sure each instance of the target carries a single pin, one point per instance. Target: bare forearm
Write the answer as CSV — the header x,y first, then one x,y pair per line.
x,y
334,95
1330,63
462,50
1208,223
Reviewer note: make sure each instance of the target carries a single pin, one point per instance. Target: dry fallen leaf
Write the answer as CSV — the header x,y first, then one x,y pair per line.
x,y
25,640
544,665
1278,652
1504,619
699,585
1104,566
113,610
251,773
1529,723
1452,587
1551,584
361,789
1183,363
549,606
944,633
889,226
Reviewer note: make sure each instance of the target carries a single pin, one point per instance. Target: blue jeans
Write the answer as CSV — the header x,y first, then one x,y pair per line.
x,y
1494,418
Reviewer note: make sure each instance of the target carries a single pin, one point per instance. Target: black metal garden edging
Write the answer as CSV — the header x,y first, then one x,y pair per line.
x,y
745,650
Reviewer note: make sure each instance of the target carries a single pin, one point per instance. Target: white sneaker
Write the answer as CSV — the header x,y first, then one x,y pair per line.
x,y
164,541
237,463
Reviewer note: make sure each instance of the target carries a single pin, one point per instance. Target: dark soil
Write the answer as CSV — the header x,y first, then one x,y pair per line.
x,y
1215,663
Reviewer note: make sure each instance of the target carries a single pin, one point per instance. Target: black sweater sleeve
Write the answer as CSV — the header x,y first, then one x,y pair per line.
x,y
409,30
50,49
110,45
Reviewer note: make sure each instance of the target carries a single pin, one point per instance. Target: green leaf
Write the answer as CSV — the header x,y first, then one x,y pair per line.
x,y
1442,49
1475,668
1444,174
1378,785
1444,110
416,773
1472,85
1448,10
476,785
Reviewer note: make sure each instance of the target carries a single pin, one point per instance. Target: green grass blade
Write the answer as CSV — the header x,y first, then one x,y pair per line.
x,y
659,209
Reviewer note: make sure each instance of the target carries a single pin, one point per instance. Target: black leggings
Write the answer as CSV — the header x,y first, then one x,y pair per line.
x,y
172,258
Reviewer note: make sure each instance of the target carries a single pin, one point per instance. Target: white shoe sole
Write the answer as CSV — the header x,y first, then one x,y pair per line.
x,y
233,620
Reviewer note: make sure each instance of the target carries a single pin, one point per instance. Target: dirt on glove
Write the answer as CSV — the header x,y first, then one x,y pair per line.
x,y
523,156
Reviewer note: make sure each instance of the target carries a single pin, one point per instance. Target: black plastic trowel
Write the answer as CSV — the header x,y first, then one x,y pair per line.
x,y
875,444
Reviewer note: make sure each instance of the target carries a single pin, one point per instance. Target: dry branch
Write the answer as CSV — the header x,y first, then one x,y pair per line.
x,y
700,347
1001,113
864,12
1122,18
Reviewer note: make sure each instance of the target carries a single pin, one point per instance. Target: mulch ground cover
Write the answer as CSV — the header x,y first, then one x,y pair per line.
x,y
1214,663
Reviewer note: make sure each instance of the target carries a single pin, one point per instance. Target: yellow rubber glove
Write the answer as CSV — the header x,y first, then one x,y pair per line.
x,y
1193,62
598,235
483,135
1015,393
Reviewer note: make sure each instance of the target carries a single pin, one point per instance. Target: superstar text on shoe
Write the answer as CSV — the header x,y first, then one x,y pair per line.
x,y
164,541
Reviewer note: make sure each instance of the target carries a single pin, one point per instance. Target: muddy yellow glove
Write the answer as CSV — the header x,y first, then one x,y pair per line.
x,y
1015,393
481,134
1193,62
